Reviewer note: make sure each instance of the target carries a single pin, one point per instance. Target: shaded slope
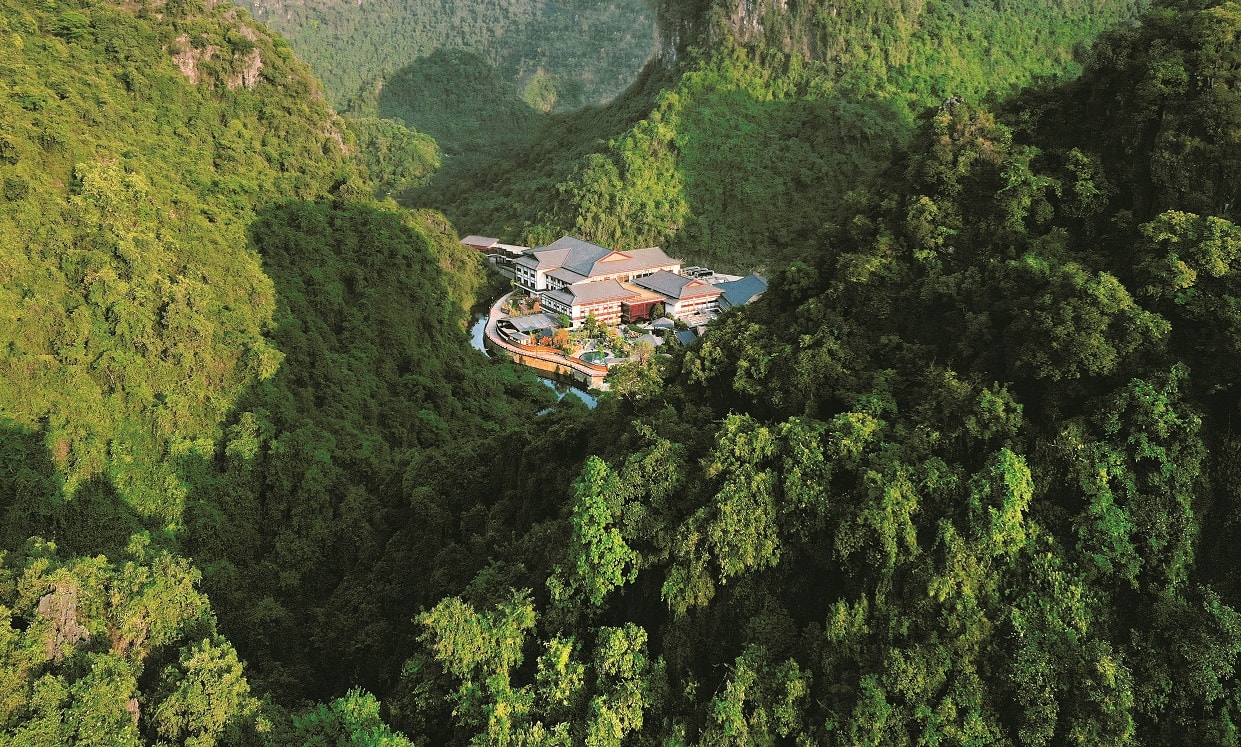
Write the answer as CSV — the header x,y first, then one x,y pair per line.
x,y
965,475
559,55
293,511
137,309
183,233
855,76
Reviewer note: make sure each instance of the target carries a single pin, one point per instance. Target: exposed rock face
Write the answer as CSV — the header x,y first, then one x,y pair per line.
x,y
189,58
60,608
677,23
248,76
779,24
746,19
246,67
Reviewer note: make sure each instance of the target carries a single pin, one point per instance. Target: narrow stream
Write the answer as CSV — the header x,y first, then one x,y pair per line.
x,y
478,331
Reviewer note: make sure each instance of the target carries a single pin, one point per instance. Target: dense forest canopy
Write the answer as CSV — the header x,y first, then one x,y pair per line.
x,y
469,71
219,357
778,113
966,474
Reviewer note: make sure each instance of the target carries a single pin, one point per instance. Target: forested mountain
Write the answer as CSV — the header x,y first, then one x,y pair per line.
x,y
776,113
556,55
471,71
965,474
217,358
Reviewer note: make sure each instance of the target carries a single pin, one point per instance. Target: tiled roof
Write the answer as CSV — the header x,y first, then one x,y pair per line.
x,y
686,337
559,296
566,275
614,263
579,255
588,260
531,322
743,291
544,259
641,295
677,286
473,240
575,244
580,293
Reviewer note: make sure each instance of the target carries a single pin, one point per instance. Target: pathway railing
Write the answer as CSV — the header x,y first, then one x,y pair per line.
x,y
549,355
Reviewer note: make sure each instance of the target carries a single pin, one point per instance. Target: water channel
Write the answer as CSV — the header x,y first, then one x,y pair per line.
x,y
478,332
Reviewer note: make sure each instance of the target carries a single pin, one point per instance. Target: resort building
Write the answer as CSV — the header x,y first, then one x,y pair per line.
x,y
603,299
494,248
480,243
741,292
529,328
579,279
683,296
569,261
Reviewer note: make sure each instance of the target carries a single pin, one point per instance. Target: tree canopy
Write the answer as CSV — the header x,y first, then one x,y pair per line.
x,y
965,474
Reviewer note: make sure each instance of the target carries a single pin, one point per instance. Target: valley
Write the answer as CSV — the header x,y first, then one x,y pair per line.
x,y
963,474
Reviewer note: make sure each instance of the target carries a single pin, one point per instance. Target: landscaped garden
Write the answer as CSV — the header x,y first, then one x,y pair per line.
x,y
593,342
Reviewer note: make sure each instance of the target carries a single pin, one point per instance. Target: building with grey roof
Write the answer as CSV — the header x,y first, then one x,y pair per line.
x,y
685,296
570,260
741,292
601,299
580,279
531,323
481,243
686,337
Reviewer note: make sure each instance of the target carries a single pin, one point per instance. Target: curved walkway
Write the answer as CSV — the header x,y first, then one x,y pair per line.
x,y
559,361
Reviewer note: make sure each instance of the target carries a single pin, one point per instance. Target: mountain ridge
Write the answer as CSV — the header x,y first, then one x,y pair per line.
x,y
965,473
744,85
156,165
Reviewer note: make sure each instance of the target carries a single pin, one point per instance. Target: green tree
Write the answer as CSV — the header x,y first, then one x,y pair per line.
x,y
621,672
1078,324
204,698
600,559
350,721
760,703
639,379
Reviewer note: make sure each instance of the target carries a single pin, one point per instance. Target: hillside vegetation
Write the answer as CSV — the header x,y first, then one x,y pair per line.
x,y
965,474
534,56
196,291
780,111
